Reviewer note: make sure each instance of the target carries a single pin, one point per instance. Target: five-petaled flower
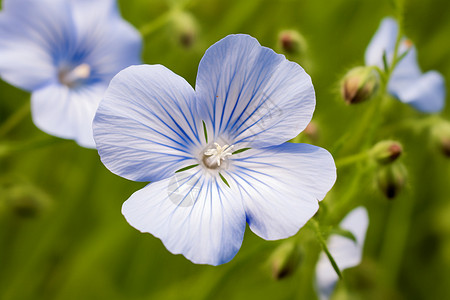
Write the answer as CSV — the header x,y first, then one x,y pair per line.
x,y
423,91
346,252
152,123
65,52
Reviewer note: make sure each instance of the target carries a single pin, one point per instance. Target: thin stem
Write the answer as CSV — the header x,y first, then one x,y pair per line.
x,y
150,27
351,159
15,119
163,19
398,225
321,239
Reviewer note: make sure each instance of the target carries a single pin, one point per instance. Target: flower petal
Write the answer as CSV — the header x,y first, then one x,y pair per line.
x,y
345,251
110,43
192,214
281,185
383,41
145,128
251,94
67,113
33,36
426,93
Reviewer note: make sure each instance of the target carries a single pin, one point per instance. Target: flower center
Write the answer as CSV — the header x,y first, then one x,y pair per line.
x,y
212,158
73,77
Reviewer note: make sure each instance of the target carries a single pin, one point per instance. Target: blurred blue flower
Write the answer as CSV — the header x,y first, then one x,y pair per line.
x,y
152,123
424,91
346,252
65,52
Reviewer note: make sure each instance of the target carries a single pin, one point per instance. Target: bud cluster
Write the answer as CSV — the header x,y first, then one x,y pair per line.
x,y
391,174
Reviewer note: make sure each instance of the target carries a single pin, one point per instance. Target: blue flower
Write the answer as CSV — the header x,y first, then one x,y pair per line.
x,y
346,252
423,91
152,123
65,52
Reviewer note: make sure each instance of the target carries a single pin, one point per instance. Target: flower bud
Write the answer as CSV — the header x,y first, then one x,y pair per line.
x,y
360,84
441,137
186,28
285,260
385,152
312,131
25,201
391,179
291,42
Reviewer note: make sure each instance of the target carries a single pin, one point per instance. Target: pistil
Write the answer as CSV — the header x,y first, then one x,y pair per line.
x,y
213,157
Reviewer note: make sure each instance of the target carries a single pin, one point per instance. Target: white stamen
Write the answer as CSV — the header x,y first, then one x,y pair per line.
x,y
217,155
78,73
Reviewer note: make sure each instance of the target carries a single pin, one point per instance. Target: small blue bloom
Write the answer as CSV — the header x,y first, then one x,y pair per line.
x,y
65,52
232,131
346,252
423,91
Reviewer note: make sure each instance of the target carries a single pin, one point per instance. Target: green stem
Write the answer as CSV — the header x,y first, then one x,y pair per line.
x,y
354,139
15,118
150,27
315,226
163,19
351,159
394,243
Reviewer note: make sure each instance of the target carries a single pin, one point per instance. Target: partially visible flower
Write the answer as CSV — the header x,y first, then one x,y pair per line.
x,y
346,252
424,91
231,131
65,52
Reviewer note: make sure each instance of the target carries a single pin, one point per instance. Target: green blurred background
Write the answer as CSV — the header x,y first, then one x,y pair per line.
x,y
62,235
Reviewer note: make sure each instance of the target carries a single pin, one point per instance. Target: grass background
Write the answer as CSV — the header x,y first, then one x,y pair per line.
x,y
62,235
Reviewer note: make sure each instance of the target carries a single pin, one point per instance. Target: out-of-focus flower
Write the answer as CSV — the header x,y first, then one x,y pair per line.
x,y
424,91
360,84
65,52
231,131
346,252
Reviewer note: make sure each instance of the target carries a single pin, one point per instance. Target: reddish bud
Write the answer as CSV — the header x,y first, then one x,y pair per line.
x,y
360,84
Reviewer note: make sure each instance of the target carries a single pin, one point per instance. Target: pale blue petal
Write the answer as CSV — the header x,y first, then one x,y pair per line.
x,y
247,93
407,67
105,41
281,186
145,127
383,41
193,214
33,35
67,113
345,251
426,92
